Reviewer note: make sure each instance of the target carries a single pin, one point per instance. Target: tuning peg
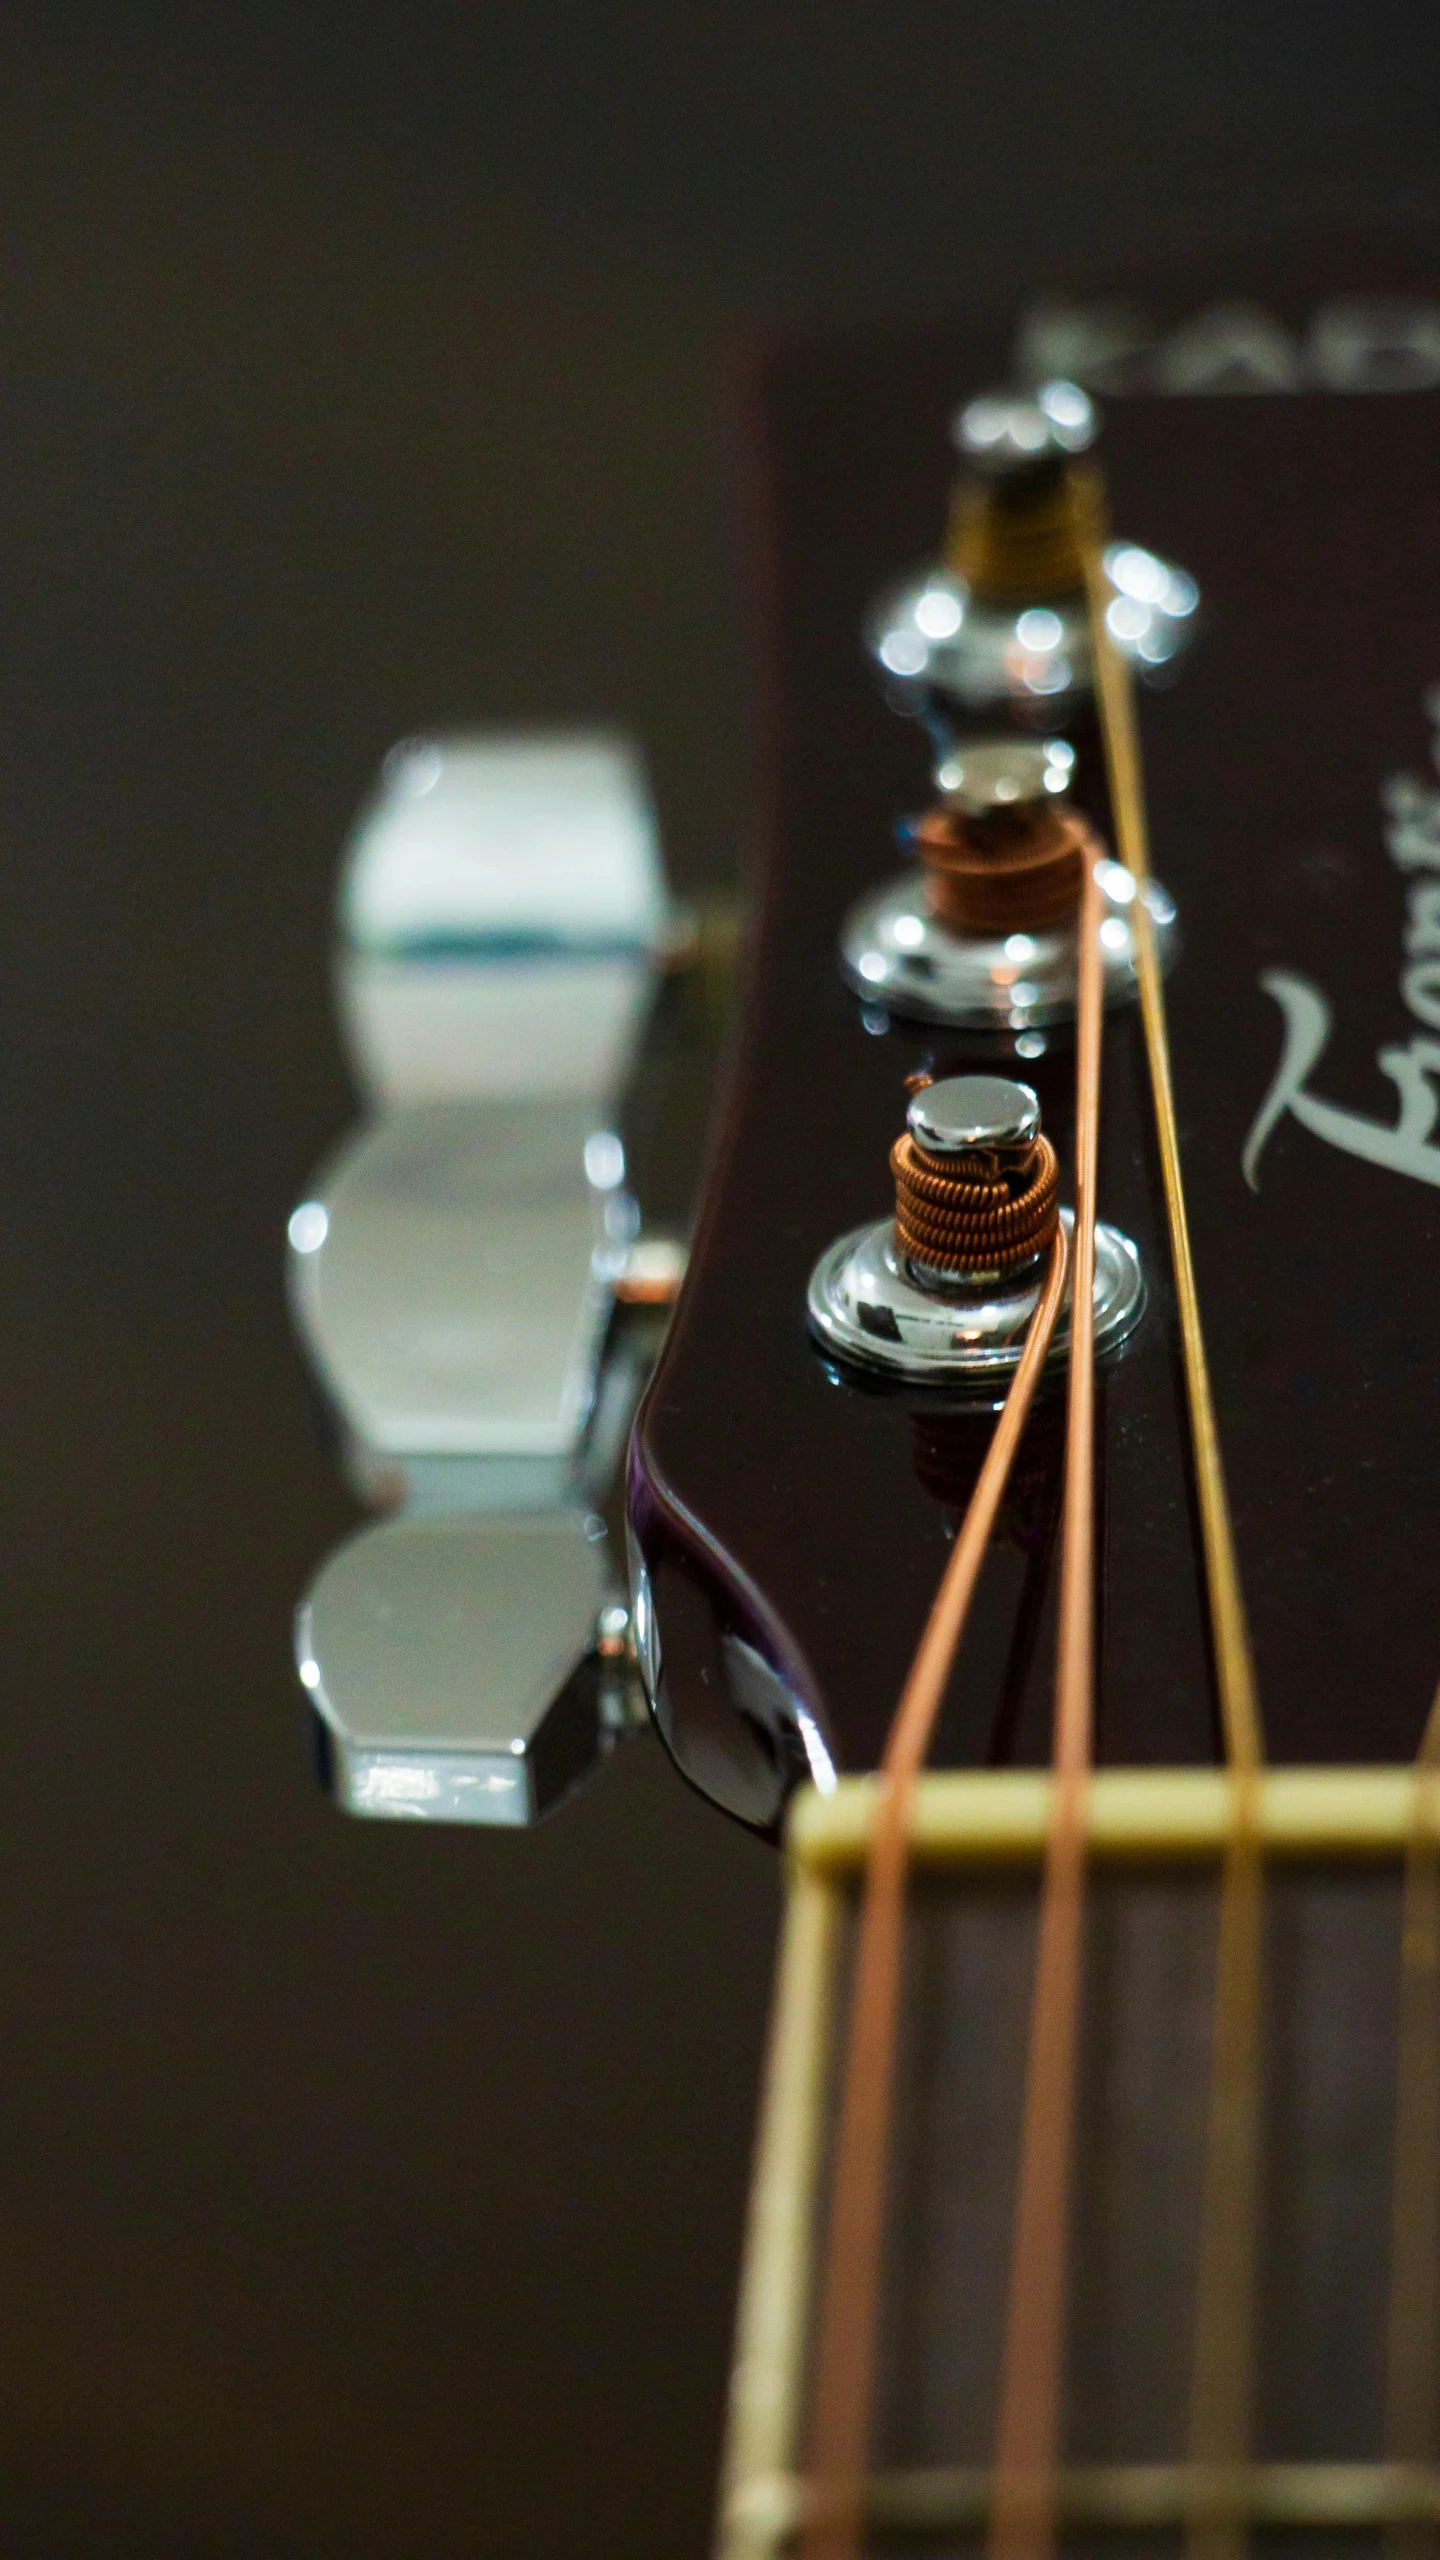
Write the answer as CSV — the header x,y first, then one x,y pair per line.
x,y
466,1669
452,1275
456,1270
942,1294
981,933
998,626
502,912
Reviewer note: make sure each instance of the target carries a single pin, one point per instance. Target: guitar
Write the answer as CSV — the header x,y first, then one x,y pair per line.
x,y
1026,1512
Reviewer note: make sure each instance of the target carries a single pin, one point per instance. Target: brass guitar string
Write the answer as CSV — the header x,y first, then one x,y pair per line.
x,y
1221,2391
1222,2380
1411,2374
846,2359
1234,1671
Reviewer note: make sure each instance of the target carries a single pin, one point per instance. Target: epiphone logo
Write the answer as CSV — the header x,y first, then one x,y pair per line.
x,y
1405,1144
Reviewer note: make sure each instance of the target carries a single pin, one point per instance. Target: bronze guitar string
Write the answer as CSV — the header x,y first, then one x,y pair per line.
x,y
845,2369
1222,2375
1022,2522
846,2358
1234,1671
1022,2526
1223,2370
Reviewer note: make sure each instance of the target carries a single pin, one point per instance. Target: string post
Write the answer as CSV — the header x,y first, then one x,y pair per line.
x,y
1020,514
1001,850
977,1186
985,932
944,1292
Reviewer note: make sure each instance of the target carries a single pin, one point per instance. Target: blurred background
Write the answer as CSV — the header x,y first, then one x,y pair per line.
x,y
365,371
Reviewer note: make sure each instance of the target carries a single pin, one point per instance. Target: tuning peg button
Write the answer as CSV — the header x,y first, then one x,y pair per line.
x,y
465,1668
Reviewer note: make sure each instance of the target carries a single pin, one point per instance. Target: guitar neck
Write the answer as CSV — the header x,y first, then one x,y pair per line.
x,y
1341,2100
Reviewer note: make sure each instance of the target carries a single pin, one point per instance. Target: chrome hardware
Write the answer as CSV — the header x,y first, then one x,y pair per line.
x,y
501,911
897,953
1018,641
452,1276
874,1306
865,1307
966,1115
466,1670
456,1270
942,652
1005,773
1003,432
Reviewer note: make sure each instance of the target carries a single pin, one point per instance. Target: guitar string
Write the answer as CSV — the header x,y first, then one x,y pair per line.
x,y
1022,2525
846,2359
1023,2515
1223,2365
1414,2291
1234,1671
1222,2373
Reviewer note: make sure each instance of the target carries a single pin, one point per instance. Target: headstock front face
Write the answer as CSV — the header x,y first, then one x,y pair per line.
x,y
791,1518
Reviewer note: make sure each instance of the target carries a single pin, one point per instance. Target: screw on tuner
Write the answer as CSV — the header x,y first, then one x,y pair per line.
x,y
996,628
480,1275
942,1293
982,934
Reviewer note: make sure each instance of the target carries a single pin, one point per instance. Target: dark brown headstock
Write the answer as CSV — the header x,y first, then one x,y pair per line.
x,y
793,1523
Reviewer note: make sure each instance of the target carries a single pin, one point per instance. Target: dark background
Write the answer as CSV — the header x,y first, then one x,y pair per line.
x,y
373,2191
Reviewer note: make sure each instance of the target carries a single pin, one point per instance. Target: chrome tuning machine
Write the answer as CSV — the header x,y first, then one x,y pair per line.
x,y
478,1276
982,931
942,1293
996,630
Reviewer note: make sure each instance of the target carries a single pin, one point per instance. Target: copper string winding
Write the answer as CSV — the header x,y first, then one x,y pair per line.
x,y
963,1215
1005,872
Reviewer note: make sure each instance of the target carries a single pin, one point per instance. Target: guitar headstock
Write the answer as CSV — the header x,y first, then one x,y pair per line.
x,y
1098,2164
792,1510
522,1001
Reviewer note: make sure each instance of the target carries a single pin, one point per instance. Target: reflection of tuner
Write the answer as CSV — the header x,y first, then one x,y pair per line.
x,y
476,1275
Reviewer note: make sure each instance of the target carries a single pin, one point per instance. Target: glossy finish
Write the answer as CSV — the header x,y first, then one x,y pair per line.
x,y
470,1276
812,1517
868,1308
1005,772
894,952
